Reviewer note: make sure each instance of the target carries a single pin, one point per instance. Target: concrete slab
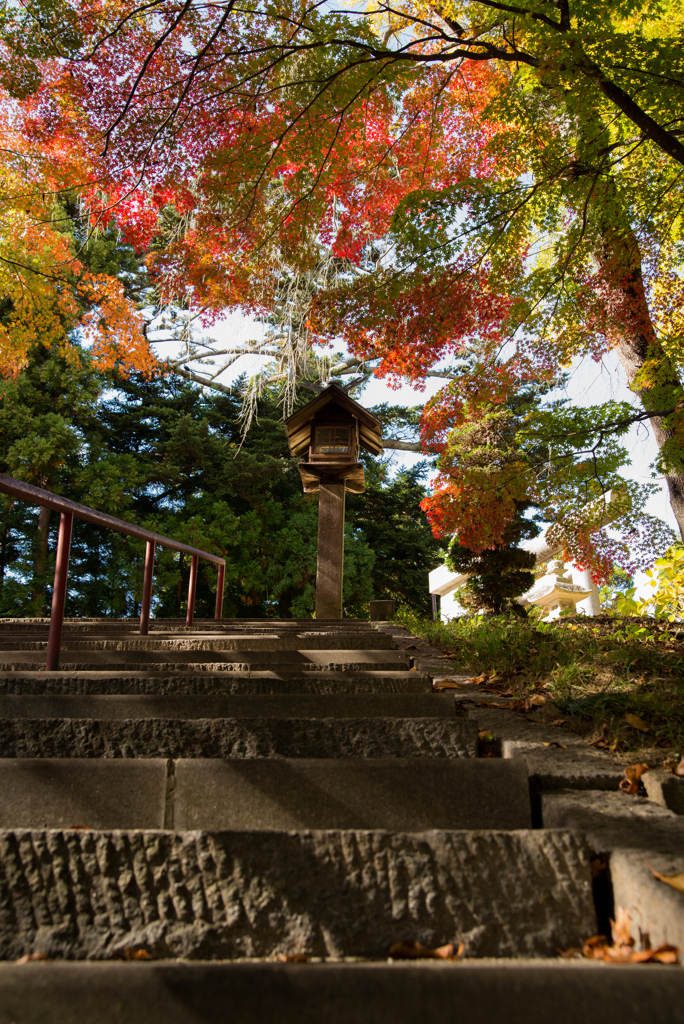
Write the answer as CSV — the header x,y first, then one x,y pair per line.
x,y
324,893
83,794
210,660
338,705
532,992
577,767
403,795
205,682
301,641
665,789
636,834
238,737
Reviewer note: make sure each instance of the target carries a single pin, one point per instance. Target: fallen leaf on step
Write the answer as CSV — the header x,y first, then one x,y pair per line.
x,y
621,928
676,881
630,783
636,722
445,684
486,736
604,739
293,958
136,954
409,950
537,700
553,743
679,770
27,957
413,669
558,721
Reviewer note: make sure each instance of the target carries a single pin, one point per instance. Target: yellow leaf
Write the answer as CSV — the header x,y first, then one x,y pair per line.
x,y
538,700
676,881
636,722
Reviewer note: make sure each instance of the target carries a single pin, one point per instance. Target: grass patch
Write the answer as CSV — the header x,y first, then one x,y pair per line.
x,y
595,670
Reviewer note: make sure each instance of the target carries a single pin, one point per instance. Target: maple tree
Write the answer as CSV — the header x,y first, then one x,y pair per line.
x,y
518,173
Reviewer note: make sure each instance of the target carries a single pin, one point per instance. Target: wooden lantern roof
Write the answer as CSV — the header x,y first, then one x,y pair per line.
x,y
299,425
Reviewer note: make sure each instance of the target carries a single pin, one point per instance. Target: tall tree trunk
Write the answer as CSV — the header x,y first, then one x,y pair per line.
x,y
40,560
638,347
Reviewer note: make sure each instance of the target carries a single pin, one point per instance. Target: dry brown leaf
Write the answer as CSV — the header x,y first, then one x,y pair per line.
x,y
27,957
558,721
136,954
486,736
538,700
622,951
630,783
676,881
636,722
446,684
621,928
413,669
410,950
679,770
293,958
553,743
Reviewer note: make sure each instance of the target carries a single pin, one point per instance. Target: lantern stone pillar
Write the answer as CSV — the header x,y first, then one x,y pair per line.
x,y
330,565
330,430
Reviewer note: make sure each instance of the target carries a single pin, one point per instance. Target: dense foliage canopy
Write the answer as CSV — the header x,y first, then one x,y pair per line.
x,y
482,191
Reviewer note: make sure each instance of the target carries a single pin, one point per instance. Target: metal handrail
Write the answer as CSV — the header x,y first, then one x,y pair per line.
x,y
69,509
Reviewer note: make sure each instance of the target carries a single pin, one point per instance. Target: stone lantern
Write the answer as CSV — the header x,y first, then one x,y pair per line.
x,y
330,430
555,592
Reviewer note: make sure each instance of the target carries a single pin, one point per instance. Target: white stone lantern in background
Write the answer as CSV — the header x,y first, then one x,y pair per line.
x,y
555,592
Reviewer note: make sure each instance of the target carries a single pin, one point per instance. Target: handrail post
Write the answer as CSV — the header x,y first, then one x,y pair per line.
x,y
220,582
191,592
59,591
147,588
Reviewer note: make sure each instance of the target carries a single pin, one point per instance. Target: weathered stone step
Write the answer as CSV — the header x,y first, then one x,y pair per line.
x,y
79,894
635,837
238,737
205,682
527,992
218,642
399,794
266,706
214,661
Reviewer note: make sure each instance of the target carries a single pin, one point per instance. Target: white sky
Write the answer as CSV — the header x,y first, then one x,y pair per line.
x,y
589,383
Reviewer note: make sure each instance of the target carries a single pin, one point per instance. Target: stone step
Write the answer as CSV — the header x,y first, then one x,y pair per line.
x,y
634,837
212,794
213,661
238,737
179,625
527,992
266,706
222,895
217,642
205,682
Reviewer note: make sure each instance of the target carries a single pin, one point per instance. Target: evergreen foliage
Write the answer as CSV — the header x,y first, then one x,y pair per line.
x,y
159,452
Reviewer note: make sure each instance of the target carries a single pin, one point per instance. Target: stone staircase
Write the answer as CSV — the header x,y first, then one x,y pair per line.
x,y
236,821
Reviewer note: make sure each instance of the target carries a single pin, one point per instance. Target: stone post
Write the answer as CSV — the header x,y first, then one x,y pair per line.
x,y
330,567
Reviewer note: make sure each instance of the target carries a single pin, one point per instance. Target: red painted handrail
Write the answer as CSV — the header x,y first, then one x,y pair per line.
x,y
69,509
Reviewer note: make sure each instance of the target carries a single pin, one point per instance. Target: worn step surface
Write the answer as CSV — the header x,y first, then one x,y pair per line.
x,y
404,794
160,681
238,737
312,705
213,660
532,992
79,894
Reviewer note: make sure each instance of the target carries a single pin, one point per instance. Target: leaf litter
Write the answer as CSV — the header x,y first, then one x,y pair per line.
x,y
620,948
